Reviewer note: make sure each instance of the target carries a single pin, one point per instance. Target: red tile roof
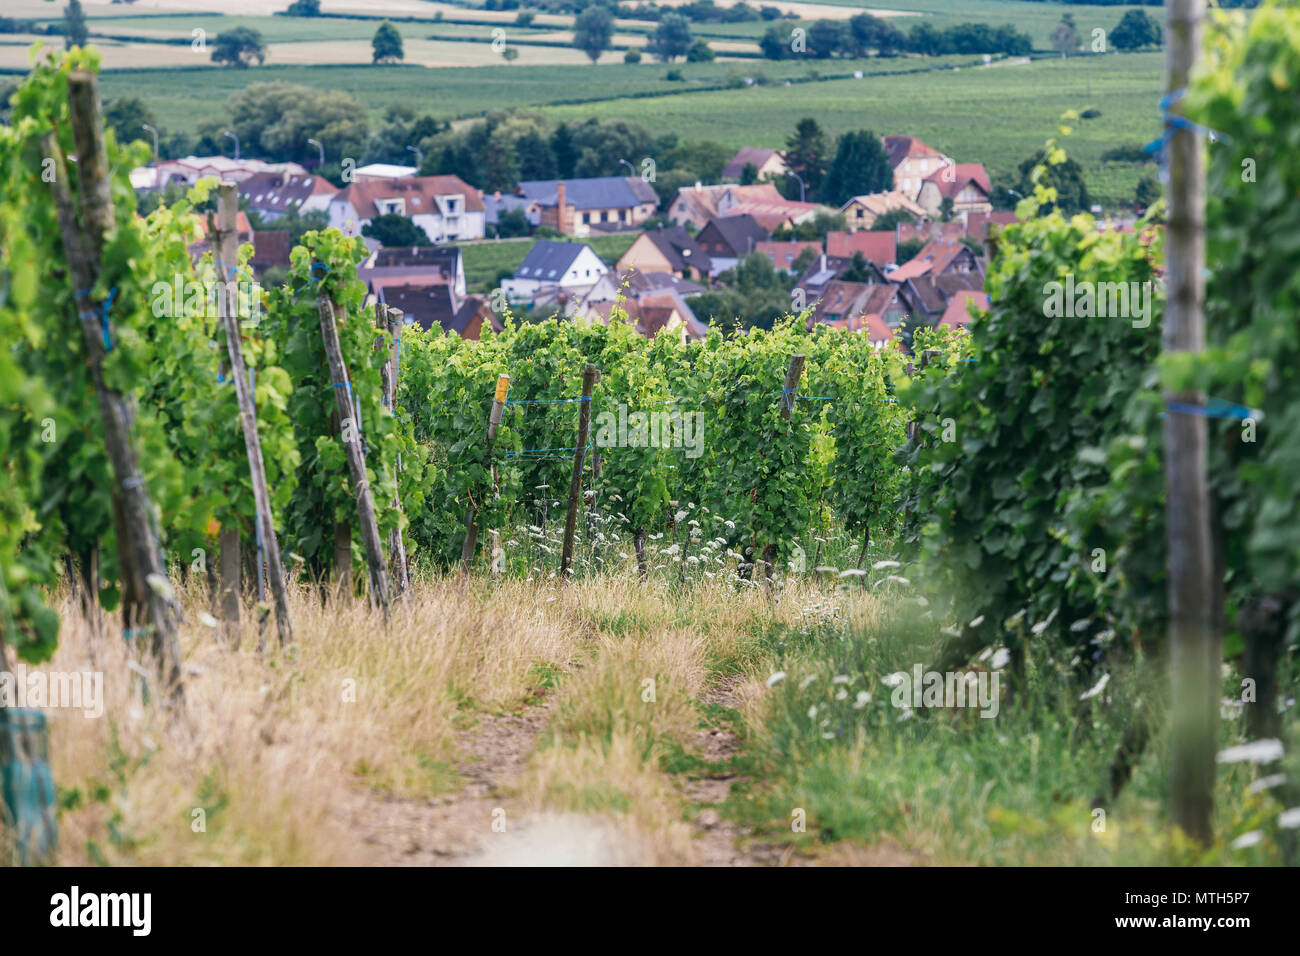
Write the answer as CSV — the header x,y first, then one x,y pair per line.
x,y
878,246
957,314
900,148
952,182
420,193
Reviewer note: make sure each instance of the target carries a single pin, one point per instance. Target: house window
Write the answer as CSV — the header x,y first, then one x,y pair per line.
x,y
586,218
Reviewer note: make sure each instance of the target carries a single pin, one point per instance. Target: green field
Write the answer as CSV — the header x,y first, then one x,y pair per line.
x,y
183,98
997,115
485,261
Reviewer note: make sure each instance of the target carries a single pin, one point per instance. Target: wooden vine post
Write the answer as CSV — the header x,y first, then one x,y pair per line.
x,y
228,311
83,242
392,319
1194,642
351,435
471,522
788,393
589,376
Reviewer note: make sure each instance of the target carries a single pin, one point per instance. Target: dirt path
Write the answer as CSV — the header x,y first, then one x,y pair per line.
x,y
450,829
481,824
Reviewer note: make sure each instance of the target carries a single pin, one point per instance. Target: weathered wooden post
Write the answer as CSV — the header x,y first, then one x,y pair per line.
x,y
392,319
83,242
789,391
589,376
228,314
1195,654
351,435
471,522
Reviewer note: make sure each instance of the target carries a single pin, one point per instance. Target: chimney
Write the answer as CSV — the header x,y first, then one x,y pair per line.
x,y
559,207
823,263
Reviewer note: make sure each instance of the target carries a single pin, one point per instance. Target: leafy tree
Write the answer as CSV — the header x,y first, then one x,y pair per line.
x,y
387,44
1148,191
593,31
806,153
748,175
775,44
873,33
828,37
75,32
275,120
632,56
303,8
892,219
510,53
1136,29
536,161
946,209
860,167
700,52
394,230
566,155
126,117
672,38
1066,177
859,269
1065,38
512,223
239,47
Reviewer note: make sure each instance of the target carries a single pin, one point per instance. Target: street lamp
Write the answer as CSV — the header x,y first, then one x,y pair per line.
x,y
419,157
630,168
799,179
155,138
316,143
226,132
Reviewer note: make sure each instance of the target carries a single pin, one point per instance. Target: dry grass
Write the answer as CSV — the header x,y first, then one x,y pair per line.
x,y
265,746
268,747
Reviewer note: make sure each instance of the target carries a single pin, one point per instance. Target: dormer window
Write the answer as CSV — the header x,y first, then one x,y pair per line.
x,y
391,207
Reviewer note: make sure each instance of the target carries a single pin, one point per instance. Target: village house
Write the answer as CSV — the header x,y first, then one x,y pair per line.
x,y
927,229
939,257
977,223
696,205
861,212
878,333
437,306
842,301
578,207
767,163
272,194
553,268
825,269
667,249
445,207
414,265
879,248
376,171
966,184
663,313
633,285
193,168
926,297
913,162
958,313
784,255
728,239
